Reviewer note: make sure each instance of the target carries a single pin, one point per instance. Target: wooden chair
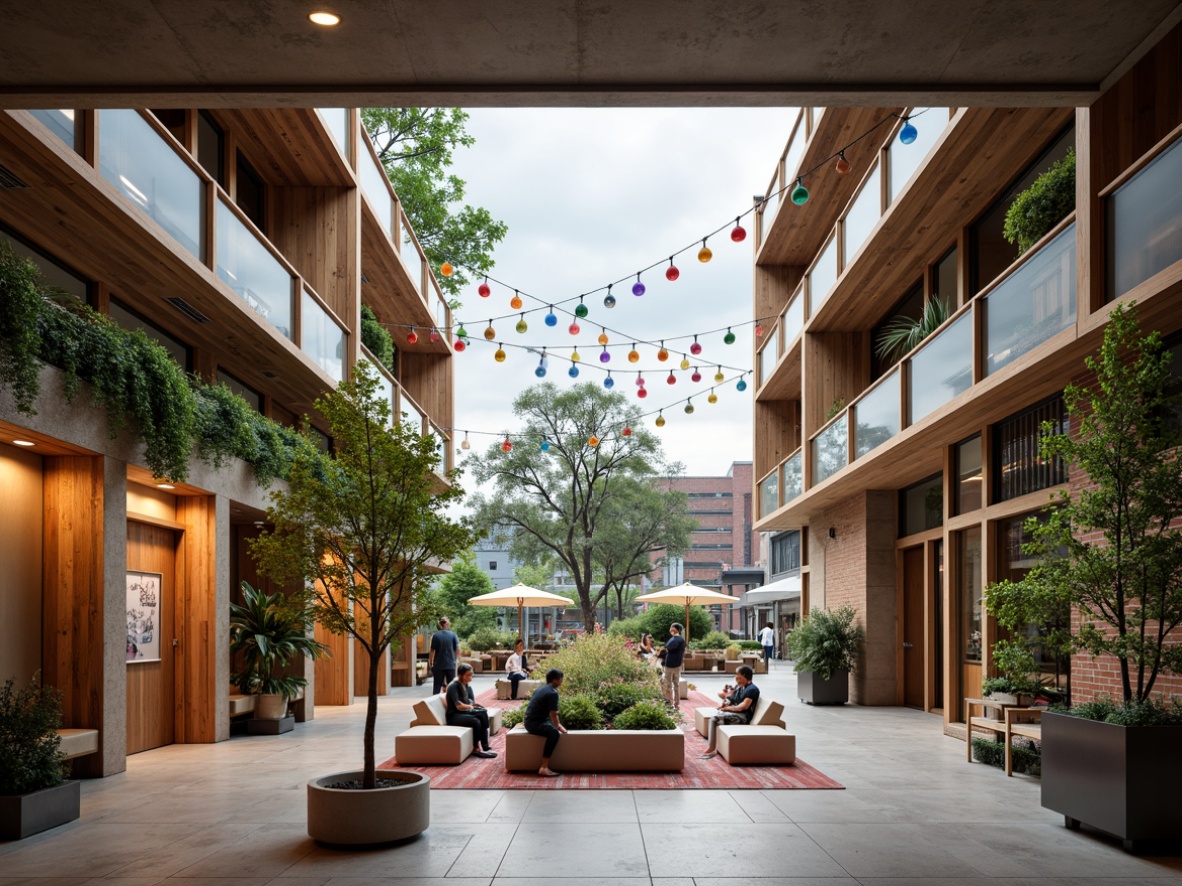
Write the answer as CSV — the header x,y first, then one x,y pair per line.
x,y
1026,722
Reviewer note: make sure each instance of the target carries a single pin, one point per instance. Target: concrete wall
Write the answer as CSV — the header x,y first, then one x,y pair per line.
x,y
20,552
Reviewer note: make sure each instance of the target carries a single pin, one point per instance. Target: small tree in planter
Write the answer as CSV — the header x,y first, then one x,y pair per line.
x,y
1126,588
34,795
367,529
825,647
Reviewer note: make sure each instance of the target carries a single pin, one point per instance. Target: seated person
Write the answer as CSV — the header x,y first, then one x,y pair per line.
x,y
645,650
516,667
736,707
462,710
541,718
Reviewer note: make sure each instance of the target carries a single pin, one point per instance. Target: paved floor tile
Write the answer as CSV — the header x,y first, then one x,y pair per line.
x,y
563,850
754,850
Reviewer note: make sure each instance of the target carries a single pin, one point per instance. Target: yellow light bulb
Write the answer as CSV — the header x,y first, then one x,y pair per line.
x,y
515,302
603,338
660,421
574,357
704,254
685,362
499,356
490,333
633,356
713,398
718,376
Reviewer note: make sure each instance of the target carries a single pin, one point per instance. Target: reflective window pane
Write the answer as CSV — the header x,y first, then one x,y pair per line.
x,y
1145,223
969,574
823,275
53,274
1018,468
210,149
249,268
830,451
411,260
793,319
968,475
876,416
944,279
149,173
374,186
769,493
125,318
322,339
941,369
922,506
60,123
336,121
904,160
863,215
793,477
247,393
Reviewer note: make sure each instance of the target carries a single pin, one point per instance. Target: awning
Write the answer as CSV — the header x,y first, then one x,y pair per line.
x,y
784,589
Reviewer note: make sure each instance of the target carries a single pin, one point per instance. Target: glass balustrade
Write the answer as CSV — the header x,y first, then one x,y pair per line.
x,y
409,254
321,338
60,123
904,160
863,215
133,158
411,415
375,186
249,268
769,493
771,206
336,121
764,361
792,320
1145,223
793,477
386,386
823,275
876,416
941,369
1032,304
830,450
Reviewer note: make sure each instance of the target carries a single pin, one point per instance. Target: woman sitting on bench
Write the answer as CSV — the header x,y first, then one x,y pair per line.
x,y
516,667
462,710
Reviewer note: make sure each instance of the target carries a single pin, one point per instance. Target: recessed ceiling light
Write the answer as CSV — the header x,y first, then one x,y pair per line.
x,y
24,443
165,486
327,19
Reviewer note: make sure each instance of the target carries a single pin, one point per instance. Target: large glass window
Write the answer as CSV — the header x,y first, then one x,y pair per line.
x,y
969,479
903,159
769,493
249,268
941,369
411,259
968,575
907,310
864,214
53,273
944,280
1031,305
921,506
1013,565
211,153
151,175
823,275
125,318
793,478
1145,223
830,450
243,390
336,120
321,338
785,552
60,123
876,416
793,319
250,193
1017,466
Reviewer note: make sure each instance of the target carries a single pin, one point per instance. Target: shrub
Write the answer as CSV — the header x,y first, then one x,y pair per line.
x,y
1027,757
376,338
1042,205
30,754
595,661
1152,712
645,715
579,711
713,640
658,618
616,698
484,639
750,646
826,642
513,716
634,627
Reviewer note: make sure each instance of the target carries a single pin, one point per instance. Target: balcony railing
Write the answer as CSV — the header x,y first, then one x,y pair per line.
x,y
769,492
785,172
336,121
252,270
941,369
876,414
321,337
831,449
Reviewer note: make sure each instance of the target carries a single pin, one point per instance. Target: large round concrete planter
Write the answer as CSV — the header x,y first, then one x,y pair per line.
x,y
811,689
271,707
364,818
22,815
1124,780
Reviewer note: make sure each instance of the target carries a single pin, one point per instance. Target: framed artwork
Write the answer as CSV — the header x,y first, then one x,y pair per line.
x,y
143,616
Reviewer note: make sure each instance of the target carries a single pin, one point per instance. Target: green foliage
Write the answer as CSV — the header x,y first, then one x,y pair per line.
x,y
595,661
269,631
645,715
377,338
20,342
1127,589
633,628
658,618
827,641
615,698
363,529
485,639
466,580
30,754
1042,205
713,640
580,711
513,716
750,646
732,652
903,334
226,426
1014,660
535,575
415,146
835,407
1027,757
1150,712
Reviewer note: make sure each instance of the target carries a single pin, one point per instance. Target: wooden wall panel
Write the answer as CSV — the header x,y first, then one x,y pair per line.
x,y
202,646
151,711
334,672
777,424
773,285
20,552
837,366
315,230
428,379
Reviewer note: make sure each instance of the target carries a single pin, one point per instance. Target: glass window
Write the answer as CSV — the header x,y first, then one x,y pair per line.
x,y
969,578
1032,304
412,415
863,215
922,506
173,119
125,318
151,175
876,416
941,369
769,494
904,160
1013,565
211,147
764,361
322,339
386,387
1017,467
989,252
1145,223
908,309
60,123
250,193
969,479
830,451
374,185
249,268
944,277
53,273
823,275
247,393
793,478
320,440
793,320
769,208
336,121
411,260
785,552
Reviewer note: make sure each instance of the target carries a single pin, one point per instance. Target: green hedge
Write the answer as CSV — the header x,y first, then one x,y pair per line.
x,y
1027,756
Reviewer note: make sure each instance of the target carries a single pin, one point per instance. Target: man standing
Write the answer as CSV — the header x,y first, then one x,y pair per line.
x,y
445,646
737,708
541,718
674,656
767,639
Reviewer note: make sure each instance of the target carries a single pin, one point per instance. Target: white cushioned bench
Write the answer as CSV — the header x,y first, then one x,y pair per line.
x,y
524,689
764,741
431,742
599,750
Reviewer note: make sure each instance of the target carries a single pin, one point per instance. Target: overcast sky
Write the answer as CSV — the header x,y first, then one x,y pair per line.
x,y
591,196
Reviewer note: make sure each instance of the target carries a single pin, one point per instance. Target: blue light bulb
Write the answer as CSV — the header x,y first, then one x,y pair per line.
x,y
741,386
908,133
609,382
540,372
544,446
573,372
551,320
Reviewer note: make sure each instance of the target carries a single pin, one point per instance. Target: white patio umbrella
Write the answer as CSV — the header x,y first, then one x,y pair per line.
x,y
688,595
520,595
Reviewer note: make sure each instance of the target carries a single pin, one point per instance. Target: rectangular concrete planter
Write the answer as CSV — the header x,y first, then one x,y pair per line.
x,y
1124,780
811,689
22,815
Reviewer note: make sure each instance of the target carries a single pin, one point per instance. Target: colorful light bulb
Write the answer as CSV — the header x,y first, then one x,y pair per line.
x,y
641,393
574,356
742,385
759,330
660,422
573,329
671,272
638,287
581,310
412,336
544,446
704,254
627,432
515,301
800,194
718,376
540,372
696,377
573,372
461,332
602,337
465,444
592,441
521,326
689,408
738,232
685,364
609,301
446,269
490,333
908,133
729,338
499,356
639,380
484,289
842,166
433,335
609,382
551,319
713,398
633,355
695,348
459,345
662,354
671,380
507,446
605,357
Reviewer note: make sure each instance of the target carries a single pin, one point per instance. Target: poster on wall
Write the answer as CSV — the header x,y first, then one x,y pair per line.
x,y
143,616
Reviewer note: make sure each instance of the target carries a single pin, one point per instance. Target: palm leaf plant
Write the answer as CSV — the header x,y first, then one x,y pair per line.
x,y
270,630
904,334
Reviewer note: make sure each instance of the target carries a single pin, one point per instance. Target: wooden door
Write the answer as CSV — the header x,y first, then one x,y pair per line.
x,y
914,635
151,691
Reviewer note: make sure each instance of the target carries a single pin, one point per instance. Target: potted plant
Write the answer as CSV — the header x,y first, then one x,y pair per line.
x,y
34,793
825,646
269,631
366,529
1043,205
1113,553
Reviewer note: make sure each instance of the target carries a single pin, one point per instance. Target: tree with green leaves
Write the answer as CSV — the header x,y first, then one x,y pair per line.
x,y
466,580
364,528
416,146
560,502
1111,550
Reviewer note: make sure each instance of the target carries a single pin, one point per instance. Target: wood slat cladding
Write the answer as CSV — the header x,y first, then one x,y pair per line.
x,y
313,228
778,423
773,287
288,146
334,672
21,486
201,627
427,378
389,290
72,592
837,365
151,685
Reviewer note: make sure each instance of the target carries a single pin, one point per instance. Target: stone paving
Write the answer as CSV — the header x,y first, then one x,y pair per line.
x,y
913,812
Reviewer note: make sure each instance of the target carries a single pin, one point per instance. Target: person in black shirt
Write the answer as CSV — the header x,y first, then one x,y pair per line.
x,y
445,647
671,675
541,717
738,708
462,710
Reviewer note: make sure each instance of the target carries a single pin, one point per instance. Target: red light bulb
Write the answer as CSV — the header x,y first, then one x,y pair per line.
x,y
672,379
459,345
671,273
484,289
507,446
627,432
738,233
758,330
641,393
412,337
573,329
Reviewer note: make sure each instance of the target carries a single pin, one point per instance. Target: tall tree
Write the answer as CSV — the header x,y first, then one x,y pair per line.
x,y
465,581
561,501
415,146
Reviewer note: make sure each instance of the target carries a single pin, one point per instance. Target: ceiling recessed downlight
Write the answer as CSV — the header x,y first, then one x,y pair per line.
x,y
325,19
23,443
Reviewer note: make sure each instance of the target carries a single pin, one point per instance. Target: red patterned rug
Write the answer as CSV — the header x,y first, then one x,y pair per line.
x,y
477,773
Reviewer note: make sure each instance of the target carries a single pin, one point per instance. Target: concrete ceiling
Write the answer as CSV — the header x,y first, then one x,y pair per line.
x,y
220,53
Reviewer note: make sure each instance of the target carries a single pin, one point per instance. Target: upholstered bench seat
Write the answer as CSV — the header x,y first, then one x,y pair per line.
x,y
756,745
524,689
433,746
78,742
767,713
599,750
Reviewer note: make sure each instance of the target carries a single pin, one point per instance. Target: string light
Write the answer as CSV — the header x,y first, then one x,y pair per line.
x,y
660,422
603,339
704,254
446,269
626,432
738,232
544,446
433,335
718,376
461,332
641,393
412,336
507,446
696,377
685,364
689,408
729,338
521,326
662,354
609,300
672,379
605,357
465,444
759,330
540,372
609,382
800,194
515,301
713,398
459,345
573,329
742,385
581,309
490,333
633,355
695,348
638,287
908,133
573,372
592,441
484,289
551,318
499,356
842,166
671,272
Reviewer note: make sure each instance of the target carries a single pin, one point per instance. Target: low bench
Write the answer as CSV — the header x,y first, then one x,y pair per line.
x,y
598,750
524,689
78,742
1026,722
765,741
431,742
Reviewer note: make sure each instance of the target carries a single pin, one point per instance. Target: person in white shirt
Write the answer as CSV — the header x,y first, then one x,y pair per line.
x,y
516,668
767,639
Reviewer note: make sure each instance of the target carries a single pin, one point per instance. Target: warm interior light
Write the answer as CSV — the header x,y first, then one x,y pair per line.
x,y
327,19
165,486
23,443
